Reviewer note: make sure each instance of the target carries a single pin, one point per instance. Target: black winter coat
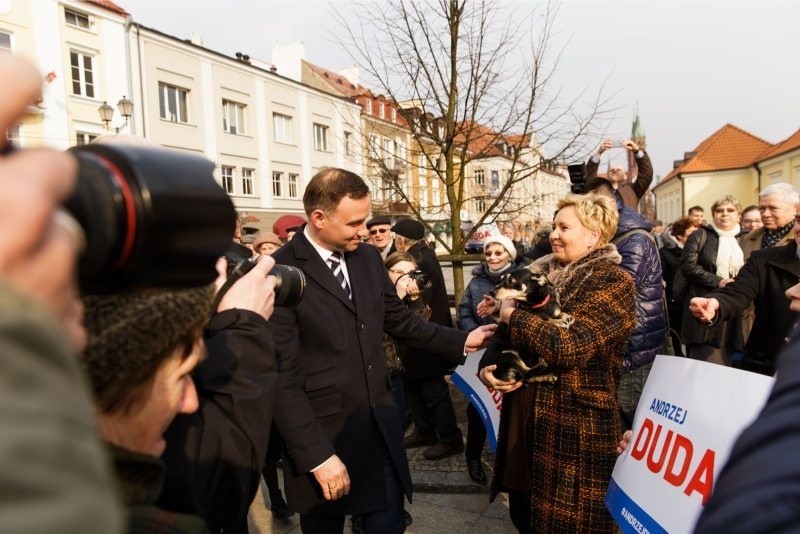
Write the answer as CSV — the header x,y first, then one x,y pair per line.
x,y
423,363
699,267
640,258
762,281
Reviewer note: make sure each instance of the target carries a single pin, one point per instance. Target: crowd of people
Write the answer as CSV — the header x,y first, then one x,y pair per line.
x,y
160,409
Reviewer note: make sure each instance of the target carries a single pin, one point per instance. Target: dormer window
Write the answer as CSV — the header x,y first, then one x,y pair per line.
x,y
394,115
382,110
78,20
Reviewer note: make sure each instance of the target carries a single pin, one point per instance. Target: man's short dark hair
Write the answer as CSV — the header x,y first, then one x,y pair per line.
x,y
329,186
696,208
680,226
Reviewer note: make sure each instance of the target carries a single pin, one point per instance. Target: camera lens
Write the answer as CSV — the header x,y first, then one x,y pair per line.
x,y
423,280
291,282
152,218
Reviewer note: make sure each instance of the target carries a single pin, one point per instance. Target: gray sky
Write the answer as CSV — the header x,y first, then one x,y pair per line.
x,y
690,66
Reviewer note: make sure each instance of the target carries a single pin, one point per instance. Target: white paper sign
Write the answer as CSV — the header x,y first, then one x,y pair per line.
x,y
688,418
487,401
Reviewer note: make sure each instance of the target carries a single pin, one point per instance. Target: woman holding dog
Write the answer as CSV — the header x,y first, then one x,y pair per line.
x,y
501,253
557,441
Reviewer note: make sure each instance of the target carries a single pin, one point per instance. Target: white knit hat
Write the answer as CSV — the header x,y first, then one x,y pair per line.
x,y
504,242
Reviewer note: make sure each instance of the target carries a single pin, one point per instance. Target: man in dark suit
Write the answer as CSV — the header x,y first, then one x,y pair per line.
x,y
335,410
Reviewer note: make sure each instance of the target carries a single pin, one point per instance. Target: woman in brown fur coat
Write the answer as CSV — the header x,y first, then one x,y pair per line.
x,y
557,440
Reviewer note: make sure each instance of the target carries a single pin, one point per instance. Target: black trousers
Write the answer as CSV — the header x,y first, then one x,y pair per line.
x,y
476,434
390,520
430,402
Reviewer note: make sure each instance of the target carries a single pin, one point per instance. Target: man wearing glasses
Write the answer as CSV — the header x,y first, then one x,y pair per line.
x,y
380,234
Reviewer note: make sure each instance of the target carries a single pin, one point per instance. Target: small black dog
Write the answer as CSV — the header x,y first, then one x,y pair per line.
x,y
535,293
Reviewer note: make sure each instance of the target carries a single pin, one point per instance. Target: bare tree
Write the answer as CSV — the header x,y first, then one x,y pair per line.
x,y
474,80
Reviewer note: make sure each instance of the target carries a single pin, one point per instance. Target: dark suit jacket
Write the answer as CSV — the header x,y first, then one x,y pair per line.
x,y
334,393
762,281
758,490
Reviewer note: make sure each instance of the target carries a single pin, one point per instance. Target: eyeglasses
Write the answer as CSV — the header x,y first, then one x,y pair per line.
x,y
378,231
400,272
497,253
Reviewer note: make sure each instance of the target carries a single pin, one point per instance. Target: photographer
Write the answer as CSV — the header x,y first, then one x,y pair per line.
x,y
625,192
55,475
142,352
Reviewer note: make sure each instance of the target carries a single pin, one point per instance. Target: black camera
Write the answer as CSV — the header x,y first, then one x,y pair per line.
x,y
152,218
423,281
290,284
577,177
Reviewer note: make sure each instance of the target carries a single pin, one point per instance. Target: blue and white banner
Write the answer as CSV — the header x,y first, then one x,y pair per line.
x,y
487,401
688,418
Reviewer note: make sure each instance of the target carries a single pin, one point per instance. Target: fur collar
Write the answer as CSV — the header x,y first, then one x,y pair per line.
x,y
579,270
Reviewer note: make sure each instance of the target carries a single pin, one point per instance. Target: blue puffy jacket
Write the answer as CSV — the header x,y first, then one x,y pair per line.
x,y
640,258
482,283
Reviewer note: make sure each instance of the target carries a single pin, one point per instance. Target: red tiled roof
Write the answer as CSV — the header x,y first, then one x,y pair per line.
x,y
108,4
482,141
338,82
727,148
787,145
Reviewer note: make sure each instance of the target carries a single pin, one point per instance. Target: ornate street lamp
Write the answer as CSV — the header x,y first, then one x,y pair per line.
x,y
106,112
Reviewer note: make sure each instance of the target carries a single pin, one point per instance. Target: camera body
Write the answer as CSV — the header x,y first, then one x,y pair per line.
x,y
422,280
577,177
290,284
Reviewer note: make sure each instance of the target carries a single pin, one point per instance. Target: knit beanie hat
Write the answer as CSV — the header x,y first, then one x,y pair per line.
x,y
127,331
266,237
504,242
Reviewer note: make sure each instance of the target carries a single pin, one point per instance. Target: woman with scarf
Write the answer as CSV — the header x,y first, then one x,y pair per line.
x,y
501,253
557,441
711,259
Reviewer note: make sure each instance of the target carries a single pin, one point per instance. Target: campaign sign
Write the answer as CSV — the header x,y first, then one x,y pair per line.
x,y
487,401
688,418
481,233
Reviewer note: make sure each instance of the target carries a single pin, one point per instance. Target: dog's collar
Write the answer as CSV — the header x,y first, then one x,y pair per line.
x,y
545,301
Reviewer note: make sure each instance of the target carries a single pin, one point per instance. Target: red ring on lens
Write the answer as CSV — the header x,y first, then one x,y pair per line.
x,y
130,210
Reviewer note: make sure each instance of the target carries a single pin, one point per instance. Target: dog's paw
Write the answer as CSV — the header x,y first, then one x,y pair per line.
x,y
549,378
564,320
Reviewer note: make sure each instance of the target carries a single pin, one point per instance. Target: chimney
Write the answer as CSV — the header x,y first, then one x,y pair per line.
x,y
689,155
288,59
677,163
196,39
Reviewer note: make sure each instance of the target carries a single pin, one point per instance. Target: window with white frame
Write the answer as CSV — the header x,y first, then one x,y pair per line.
x,y
386,154
78,20
480,179
232,117
394,114
348,144
320,137
382,110
82,74
422,166
277,184
373,146
227,178
480,205
294,179
399,154
435,191
282,124
423,193
368,106
84,138
5,41
247,181
173,103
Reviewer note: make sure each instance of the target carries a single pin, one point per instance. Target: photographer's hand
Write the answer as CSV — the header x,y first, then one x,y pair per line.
x,y
255,291
605,145
38,251
630,145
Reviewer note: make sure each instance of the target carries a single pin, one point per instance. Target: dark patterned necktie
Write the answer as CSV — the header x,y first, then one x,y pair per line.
x,y
336,266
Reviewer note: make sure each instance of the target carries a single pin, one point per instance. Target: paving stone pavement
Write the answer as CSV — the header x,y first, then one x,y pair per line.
x,y
445,499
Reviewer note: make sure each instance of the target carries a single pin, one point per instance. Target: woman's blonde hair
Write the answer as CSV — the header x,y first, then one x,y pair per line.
x,y
727,199
595,212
